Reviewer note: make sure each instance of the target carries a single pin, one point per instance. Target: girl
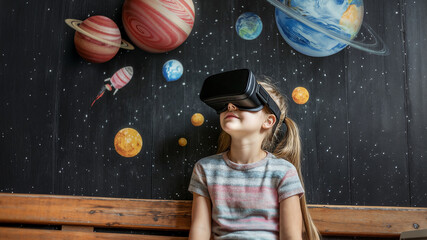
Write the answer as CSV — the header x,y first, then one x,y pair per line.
x,y
245,191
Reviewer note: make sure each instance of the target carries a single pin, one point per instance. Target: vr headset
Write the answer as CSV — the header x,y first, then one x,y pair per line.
x,y
240,88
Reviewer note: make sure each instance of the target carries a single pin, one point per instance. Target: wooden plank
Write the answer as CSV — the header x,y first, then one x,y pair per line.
x,y
367,221
36,234
416,47
331,220
84,156
33,102
323,124
98,212
377,115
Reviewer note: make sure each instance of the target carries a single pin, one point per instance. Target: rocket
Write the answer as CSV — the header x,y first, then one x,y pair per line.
x,y
117,81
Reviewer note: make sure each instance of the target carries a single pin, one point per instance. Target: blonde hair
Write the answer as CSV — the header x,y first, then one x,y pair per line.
x,y
289,148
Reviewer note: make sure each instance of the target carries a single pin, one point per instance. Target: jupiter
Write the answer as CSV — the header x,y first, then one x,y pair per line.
x,y
158,26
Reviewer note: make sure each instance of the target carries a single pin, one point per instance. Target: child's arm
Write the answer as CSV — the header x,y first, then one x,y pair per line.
x,y
290,218
201,218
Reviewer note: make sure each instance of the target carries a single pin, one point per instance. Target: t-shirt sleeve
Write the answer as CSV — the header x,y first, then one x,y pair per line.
x,y
290,185
198,182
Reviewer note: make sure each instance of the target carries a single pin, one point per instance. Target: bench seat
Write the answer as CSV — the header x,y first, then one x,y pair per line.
x,y
72,217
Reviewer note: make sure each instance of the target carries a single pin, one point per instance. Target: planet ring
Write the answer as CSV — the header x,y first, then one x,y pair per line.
x,y
74,23
378,47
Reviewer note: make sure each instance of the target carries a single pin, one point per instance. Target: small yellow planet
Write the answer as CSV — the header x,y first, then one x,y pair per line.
x,y
300,95
182,142
197,119
128,142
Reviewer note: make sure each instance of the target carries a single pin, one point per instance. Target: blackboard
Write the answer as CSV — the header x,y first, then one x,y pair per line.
x,y
364,128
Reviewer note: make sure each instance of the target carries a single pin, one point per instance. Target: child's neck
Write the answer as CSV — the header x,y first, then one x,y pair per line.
x,y
245,152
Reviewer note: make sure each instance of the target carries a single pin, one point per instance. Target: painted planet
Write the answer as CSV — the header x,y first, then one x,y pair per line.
x,y
341,18
300,95
182,142
249,26
158,26
172,70
97,39
197,119
128,142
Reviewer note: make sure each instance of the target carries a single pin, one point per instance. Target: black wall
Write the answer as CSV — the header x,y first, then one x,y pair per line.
x,y
364,129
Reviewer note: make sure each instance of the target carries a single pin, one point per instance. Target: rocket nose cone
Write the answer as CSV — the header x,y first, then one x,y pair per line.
x,y
129,70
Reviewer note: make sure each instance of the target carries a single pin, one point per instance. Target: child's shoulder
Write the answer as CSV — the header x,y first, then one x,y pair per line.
x,y
280,163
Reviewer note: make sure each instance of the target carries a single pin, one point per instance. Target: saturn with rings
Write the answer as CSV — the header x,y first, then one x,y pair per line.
x,y
97,39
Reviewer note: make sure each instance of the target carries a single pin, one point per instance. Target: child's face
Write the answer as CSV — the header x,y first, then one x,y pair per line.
x,y
234,121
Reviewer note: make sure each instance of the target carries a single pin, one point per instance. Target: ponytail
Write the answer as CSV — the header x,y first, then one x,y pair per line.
x,y
290,149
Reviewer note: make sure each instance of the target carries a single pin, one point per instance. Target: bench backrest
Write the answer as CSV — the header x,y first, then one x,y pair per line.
x,y
90,217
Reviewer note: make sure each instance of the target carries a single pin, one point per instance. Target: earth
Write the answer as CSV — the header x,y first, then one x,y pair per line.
x,y
341,17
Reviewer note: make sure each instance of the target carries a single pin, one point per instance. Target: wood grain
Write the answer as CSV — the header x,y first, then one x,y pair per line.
x,y
175,215
98,212
36,234
374,221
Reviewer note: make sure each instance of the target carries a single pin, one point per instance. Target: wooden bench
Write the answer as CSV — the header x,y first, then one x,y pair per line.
x,y
30,216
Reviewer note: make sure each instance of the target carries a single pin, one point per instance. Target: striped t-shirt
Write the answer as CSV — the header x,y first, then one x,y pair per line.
x,y
245,197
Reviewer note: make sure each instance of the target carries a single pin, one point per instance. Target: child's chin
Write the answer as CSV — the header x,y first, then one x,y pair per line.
x,y
234,131
229,129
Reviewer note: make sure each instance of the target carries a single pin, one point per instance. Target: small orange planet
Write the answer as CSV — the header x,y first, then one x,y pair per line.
x,y
197,119
182,142
128,142
300,95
